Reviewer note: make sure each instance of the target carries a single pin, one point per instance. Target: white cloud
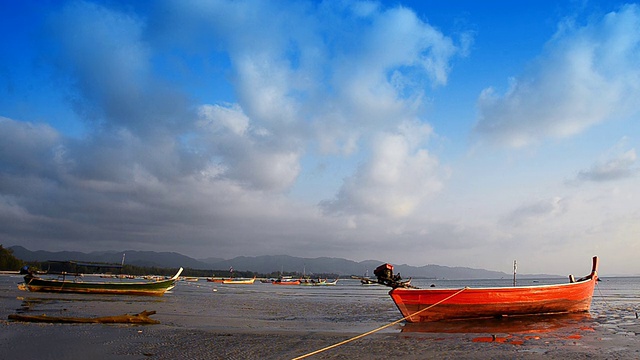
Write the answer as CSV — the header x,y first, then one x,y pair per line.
x,y
225,118
586,75
399,176
250,155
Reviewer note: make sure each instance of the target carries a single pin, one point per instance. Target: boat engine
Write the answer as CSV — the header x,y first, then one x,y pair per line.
x,y
384,274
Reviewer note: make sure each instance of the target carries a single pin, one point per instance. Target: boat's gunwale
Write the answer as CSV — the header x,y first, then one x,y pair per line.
x,y
497,288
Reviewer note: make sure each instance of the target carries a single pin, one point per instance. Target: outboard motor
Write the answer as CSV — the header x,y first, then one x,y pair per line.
x,y
384,273
24,270
385,276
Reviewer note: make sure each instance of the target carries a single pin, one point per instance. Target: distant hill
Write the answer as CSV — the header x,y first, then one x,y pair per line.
x,y
138,258
266,264
260,264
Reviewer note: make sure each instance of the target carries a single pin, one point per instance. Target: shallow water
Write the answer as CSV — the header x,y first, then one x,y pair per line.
x,y
347,307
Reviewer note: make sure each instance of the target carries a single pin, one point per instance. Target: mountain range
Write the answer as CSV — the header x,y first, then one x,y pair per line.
x,y
259,264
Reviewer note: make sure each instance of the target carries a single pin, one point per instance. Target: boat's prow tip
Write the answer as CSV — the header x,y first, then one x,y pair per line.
x,y
594,267
178,273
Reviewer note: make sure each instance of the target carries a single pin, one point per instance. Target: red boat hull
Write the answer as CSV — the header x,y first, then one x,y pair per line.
x,y
423,305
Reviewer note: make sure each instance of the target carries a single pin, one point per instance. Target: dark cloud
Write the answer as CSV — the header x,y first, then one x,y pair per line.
x,y
536,211
110,66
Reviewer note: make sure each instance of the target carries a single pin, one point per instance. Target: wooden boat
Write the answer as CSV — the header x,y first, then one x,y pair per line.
x,y
319,282
424,305
367,281
329,283
307,282
239,281
73,284
286,281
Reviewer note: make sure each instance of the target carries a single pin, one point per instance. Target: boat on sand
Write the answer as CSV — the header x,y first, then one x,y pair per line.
x,y
66,283
425,305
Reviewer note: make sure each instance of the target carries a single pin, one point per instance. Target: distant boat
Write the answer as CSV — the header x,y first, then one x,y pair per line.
x,y
366,280
73,284
218,280
312,282
285,280
330,283
424,305
239,281
318,282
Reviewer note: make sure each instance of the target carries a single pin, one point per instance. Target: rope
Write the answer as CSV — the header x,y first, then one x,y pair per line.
x,y
601,296
378,329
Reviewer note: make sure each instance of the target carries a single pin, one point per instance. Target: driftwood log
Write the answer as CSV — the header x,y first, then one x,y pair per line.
x,y
141,318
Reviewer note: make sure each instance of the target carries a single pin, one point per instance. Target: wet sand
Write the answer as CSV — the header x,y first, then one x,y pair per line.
x,y
260,323
51,341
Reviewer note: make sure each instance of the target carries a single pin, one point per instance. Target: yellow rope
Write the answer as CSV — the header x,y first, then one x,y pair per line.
x,y
378,329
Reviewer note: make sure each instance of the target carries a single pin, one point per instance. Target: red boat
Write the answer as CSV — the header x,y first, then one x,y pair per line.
x,y
424,305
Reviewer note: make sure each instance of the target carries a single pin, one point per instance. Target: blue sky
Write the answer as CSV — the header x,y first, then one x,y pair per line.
x,y
422,132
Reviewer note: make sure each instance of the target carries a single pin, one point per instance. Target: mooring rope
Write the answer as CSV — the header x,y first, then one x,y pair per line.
x,y
601,296
378,329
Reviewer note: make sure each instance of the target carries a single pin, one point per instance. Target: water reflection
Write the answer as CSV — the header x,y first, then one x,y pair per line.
x,y
536,324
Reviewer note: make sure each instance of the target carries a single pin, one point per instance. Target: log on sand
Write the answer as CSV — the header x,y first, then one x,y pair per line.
x,y
141,318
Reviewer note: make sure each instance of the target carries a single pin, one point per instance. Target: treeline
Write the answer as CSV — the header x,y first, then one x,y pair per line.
x,y
8,262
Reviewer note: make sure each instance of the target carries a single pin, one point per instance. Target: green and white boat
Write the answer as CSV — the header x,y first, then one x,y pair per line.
x,y
66,283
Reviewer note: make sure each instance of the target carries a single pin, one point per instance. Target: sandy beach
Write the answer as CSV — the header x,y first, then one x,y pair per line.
x,y
262,323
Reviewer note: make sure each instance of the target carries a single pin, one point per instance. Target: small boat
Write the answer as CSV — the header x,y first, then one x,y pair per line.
x,y
286,280
239,281
318,282
73,284
425,305
217,280
365,280
330,283
312,282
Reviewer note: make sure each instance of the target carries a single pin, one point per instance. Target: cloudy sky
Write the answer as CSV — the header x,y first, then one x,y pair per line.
x,y
456,133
